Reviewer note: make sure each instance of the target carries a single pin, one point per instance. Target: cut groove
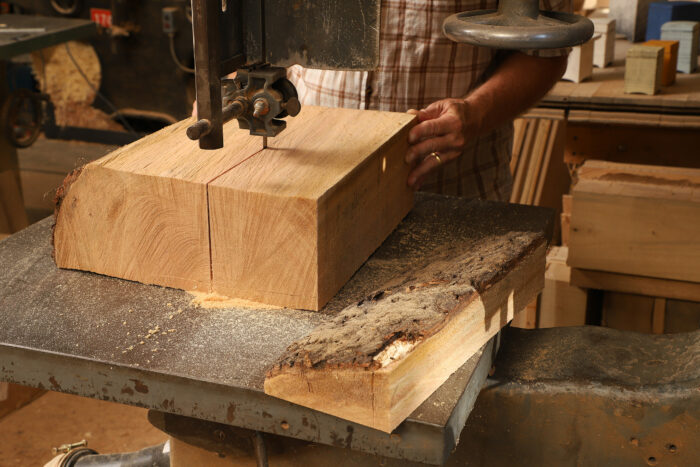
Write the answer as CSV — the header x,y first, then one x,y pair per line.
x,y
211,258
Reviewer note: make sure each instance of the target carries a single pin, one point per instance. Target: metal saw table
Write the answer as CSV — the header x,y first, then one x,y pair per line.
x,y
149,346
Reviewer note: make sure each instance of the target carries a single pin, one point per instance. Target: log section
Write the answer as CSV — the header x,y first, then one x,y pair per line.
x,y
286,226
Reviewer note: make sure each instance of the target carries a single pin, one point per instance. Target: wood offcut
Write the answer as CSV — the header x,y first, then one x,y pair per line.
x,y
381,357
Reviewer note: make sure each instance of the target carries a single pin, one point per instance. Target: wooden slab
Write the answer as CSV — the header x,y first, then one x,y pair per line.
x,y
637,220
285,226
380,358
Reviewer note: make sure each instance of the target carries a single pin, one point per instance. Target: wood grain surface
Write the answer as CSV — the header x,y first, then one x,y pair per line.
x,y
285,226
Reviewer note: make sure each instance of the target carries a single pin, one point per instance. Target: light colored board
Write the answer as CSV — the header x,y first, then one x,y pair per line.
x,y
639,285
554,179
523,161
148,212
291,225
637,220
561,304
377,361
535,165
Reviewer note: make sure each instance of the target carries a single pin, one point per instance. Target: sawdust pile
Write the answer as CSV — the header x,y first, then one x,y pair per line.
x,y
71,95
215,301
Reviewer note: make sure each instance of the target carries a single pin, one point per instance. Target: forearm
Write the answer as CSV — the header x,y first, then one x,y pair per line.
x,y
516,85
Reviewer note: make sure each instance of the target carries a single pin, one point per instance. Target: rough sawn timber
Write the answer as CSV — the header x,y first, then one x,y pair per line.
x,y
380,358
285,226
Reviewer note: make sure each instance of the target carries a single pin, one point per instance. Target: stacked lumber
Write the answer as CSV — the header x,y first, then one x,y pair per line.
x,y
540,176
634,233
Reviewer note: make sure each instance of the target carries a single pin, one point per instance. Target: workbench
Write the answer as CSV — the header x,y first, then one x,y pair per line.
x,y
30,33
94,336
605,123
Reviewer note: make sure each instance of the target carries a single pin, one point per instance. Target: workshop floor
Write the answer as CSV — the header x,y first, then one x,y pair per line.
x,y
28,434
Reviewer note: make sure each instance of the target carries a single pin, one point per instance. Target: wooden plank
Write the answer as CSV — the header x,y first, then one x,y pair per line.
x,y
628,312
276,221
658,316
527,318
523,162
682,316
533,170
632,138
635,219
519,128
318,202
653,287
561,304
376,361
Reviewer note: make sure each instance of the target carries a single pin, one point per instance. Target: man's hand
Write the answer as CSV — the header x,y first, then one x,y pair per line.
x,y
444,127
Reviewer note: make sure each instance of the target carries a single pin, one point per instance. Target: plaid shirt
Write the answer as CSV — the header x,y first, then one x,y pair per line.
x,y
418,65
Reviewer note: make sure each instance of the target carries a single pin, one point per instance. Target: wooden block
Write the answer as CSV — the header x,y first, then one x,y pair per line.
x,y
628,312
681,316
643,69
604,48
527,318
318,203
687,33
637,220
377,361
631,17
561,304
658,316
668,74
638,285
285,226
580,62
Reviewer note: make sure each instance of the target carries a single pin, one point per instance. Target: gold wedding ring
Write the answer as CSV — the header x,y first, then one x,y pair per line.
x,y
436,156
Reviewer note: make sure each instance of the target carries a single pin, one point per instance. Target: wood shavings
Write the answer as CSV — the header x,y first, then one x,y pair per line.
x,y
215,301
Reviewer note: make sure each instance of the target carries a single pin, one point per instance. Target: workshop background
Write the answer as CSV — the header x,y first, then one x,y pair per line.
x,y
616,112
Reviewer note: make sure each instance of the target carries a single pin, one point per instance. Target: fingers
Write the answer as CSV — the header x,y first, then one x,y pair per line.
x,y
413,112
430,163
420,150
429,129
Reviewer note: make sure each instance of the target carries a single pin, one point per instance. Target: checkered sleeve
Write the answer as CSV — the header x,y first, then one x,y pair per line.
x,y
553,5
